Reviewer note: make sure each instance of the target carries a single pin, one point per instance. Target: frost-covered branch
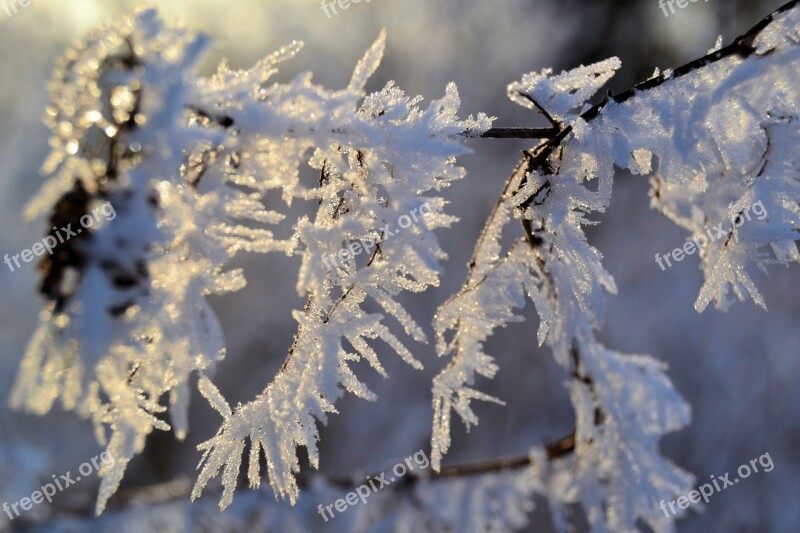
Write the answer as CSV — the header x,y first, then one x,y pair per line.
x,y
713,126
377,161
188,162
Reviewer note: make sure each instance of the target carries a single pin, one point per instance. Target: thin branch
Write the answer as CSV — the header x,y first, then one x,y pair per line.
x,y
556,450
181,488
742,46
520,133
556,124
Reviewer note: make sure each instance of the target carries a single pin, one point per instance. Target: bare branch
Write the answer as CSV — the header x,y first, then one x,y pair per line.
x,y
180,488
520,133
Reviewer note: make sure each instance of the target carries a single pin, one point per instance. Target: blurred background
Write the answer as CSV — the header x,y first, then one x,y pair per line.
x,y
738,370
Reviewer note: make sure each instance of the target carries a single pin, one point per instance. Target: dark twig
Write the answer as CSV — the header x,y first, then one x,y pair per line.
x,y
556,450
181,488
520,133
742,46
556,124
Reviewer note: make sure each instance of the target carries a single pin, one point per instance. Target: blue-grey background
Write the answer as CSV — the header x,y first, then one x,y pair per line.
x,y
738,370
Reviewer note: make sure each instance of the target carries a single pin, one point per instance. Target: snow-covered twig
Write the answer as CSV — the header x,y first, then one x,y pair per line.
x,y
698,120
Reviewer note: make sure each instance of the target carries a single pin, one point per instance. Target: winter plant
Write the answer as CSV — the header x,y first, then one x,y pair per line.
x,y
200,168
